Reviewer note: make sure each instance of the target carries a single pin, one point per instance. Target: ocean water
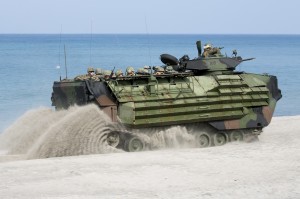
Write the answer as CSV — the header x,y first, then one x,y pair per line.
x,y
28,63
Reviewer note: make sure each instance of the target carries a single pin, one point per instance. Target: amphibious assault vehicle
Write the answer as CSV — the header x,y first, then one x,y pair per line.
x,y
223,104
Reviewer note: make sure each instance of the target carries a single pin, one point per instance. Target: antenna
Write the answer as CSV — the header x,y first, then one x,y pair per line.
x,y
59,44
148,40
58,66
91,43
66,62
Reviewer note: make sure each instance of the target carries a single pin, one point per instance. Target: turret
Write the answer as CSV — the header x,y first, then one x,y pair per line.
x,y
215,62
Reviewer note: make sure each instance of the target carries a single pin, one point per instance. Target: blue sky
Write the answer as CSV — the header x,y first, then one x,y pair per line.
x,y
162,16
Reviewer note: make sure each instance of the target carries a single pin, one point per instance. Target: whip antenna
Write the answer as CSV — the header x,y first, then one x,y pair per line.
x,y
66,62
59,44
91,43
58,66
148,39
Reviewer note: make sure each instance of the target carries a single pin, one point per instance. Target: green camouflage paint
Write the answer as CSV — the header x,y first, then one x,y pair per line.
x,y
202,90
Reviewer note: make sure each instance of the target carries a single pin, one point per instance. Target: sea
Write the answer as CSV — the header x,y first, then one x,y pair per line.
x,y
30,63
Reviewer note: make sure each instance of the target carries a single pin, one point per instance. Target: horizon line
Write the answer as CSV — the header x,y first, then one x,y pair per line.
x,y
151,33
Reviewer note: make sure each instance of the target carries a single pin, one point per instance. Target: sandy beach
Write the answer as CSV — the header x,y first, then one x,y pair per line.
x,y
269,168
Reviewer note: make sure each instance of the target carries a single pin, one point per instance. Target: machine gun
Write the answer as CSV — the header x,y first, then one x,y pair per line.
x,y
112,73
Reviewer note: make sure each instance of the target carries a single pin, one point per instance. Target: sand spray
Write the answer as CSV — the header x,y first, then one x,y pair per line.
x,y
44,133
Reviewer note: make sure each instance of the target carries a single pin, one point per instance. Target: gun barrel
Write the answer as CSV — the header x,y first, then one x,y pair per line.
x,y
112,72
248,59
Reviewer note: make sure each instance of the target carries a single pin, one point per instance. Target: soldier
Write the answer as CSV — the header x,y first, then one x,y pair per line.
x,y
107,74
119,73
159,70
130,71
99,71
169,70
90,71
81,77
143,71
209,50
90,75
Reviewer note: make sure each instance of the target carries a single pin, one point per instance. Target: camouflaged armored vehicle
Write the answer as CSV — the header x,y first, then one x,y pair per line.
x,y
207,93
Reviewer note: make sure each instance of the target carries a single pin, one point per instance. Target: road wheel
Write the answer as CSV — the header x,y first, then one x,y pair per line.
x,y
134,144
219,139
203,140
113,139
236,136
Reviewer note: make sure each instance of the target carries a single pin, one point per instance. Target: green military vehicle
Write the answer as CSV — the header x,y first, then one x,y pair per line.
x,y
223,104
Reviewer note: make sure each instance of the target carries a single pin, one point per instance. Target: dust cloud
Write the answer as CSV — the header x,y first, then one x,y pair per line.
x,y
44,133
177,136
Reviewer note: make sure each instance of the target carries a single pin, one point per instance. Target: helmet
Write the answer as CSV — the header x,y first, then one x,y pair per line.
x,y
107,73
159,69
169,68
143,71
99,71
90,69
119,72
129,70
206,46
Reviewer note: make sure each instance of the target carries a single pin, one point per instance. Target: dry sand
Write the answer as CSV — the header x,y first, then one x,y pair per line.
x,y
269,168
